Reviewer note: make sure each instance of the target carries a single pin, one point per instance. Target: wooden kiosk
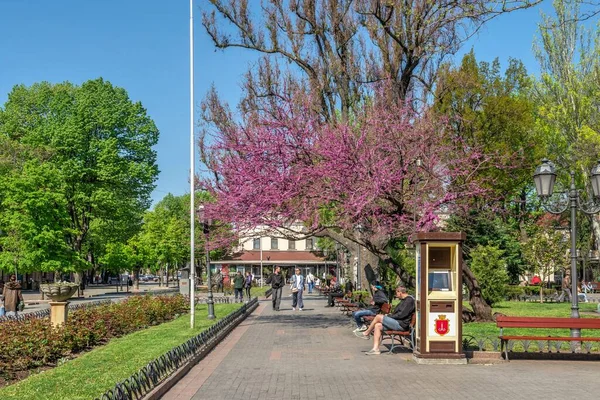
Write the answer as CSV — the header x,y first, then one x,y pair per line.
x,y
438,329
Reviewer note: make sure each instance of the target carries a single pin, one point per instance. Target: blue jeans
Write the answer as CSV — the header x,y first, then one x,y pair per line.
x,y
311,285
391,324
357,315
297,299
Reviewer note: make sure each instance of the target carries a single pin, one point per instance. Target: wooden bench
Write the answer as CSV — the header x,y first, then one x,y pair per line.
x,y
410,334
503,321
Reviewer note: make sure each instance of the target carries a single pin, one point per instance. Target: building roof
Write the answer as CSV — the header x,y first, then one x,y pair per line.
x,y
273,258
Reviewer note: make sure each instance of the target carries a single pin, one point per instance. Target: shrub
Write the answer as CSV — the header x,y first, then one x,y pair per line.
x,y
489,267
34,343
514,292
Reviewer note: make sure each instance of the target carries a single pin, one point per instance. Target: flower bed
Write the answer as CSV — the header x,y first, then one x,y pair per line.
x,y
33,343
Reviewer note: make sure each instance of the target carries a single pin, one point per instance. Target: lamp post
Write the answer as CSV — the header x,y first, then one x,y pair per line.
x,y
544,177
205,229
192,177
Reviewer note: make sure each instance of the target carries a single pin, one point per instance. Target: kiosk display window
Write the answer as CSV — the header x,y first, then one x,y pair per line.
x,y
440,281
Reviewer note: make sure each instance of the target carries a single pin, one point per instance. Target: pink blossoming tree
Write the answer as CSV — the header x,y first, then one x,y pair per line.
x,y
389,171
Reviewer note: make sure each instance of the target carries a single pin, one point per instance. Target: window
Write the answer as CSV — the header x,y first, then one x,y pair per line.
x,y
440,281
274,245
291,244
256,244
309,244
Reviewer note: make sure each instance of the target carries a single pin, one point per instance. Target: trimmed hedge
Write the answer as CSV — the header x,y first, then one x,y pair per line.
x,y
34,343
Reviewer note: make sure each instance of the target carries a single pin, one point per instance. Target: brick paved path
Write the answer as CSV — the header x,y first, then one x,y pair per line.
x,y
314,355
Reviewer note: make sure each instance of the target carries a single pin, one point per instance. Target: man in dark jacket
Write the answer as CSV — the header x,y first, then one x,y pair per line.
x,y
238,286
379,299
276,281
398,320
334,292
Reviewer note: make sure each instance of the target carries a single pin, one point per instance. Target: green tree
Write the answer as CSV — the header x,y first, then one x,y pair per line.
x,y
568,93
546,253
97,167
493,111
490,271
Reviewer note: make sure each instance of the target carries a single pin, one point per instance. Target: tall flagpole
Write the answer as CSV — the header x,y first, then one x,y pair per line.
x,y
192,176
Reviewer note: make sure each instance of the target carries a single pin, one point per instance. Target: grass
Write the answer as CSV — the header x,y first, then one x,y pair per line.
x,y
91,374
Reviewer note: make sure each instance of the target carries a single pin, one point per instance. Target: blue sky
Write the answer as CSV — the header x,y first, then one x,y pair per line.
x,y
143,46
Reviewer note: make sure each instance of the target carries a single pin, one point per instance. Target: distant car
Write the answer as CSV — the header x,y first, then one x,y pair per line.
x,y
144,278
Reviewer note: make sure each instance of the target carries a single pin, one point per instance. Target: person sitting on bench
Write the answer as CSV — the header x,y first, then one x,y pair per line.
x,y
379,299
336,291
398,320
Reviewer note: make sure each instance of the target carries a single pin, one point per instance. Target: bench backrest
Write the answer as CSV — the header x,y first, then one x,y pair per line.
x,y
503,321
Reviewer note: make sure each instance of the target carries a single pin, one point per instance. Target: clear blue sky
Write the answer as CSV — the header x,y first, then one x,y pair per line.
x,y
142,46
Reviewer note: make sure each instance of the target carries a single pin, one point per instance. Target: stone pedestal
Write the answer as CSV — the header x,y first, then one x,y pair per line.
x,y
58,313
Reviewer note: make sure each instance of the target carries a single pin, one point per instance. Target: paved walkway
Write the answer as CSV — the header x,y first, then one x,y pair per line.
x,y
313,354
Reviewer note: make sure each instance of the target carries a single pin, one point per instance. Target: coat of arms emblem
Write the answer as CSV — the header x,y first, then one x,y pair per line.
x,y
442,325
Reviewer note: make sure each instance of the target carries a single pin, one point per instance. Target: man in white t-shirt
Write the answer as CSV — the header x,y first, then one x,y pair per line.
x,y
310,280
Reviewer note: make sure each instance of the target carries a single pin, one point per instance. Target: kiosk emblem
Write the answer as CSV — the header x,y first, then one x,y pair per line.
x,y
442,325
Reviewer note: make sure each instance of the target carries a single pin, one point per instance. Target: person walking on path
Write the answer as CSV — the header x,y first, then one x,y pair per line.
x,y
12,296
219,281
398,320
297,287
310,281
566,287
276,281
248,284
238,286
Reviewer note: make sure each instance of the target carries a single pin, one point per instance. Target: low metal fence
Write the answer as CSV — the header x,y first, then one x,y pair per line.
x,y
157,371
46,312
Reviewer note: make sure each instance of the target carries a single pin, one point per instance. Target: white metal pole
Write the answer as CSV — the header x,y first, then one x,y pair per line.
x,y
192,176
261,263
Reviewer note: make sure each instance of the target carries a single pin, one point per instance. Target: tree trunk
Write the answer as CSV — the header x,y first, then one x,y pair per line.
x,y
136,277
541,292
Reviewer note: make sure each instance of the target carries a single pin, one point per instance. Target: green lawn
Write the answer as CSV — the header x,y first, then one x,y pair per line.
x,y
91,374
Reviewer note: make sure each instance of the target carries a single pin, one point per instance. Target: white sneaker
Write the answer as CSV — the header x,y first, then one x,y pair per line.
x,y
299,309
293,308
362,328
357,330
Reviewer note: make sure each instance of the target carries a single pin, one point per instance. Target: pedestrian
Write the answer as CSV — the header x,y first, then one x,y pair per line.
x,y
12,296
219,281
297,287
566,287
276,281
310,281
238,286
248,284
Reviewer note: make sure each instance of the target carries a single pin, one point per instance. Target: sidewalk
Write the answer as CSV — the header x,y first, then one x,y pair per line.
x,y
314,355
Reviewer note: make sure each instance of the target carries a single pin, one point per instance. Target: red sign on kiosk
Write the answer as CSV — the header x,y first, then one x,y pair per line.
x,y
442,325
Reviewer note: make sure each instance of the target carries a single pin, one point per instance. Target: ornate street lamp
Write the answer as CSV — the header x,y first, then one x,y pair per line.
x,y
205,229
544,177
